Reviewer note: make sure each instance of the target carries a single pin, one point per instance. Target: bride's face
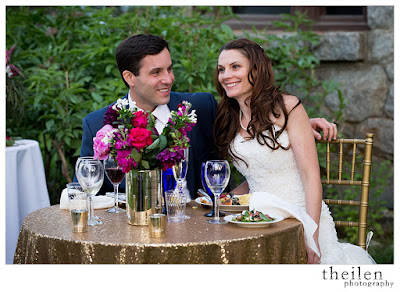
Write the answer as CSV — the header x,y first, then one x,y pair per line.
x,y
233,71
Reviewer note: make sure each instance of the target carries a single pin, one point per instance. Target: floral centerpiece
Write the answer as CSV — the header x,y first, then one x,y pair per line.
x,y
130,137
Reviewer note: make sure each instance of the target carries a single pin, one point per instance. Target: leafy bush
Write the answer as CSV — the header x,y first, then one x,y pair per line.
x,y
67,55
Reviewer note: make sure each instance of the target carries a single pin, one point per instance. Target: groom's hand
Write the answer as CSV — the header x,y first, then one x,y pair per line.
x,y
329,130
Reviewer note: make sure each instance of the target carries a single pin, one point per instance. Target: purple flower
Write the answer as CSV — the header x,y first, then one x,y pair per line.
x,y
110,117
170,157
125,161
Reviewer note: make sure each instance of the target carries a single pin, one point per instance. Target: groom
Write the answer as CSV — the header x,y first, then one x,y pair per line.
x,y
145,65
144,62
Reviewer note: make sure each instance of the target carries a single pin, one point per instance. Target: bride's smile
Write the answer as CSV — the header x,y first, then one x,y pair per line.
x,y
233,71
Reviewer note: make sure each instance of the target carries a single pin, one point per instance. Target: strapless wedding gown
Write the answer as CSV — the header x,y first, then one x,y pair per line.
x,y
274,175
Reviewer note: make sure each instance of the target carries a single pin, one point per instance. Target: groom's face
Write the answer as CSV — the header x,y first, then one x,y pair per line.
x,y
153,85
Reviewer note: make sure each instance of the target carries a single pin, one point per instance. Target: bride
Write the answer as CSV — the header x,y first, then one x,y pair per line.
x,y
268,135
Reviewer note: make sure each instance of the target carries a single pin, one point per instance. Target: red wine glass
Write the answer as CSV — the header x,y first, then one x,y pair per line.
x,y
115,176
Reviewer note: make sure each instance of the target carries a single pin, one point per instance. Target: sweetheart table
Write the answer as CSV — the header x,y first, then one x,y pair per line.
x,y
46,237
26,189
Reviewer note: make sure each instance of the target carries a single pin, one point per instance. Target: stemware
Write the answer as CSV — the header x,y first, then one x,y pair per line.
x,y
179,170
217,174
76,173
115,176
90,174
208,191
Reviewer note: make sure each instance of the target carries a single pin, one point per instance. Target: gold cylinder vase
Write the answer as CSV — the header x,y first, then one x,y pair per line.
x,y
143,195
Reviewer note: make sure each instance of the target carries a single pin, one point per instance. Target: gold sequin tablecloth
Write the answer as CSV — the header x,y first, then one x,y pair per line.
x,y
46,237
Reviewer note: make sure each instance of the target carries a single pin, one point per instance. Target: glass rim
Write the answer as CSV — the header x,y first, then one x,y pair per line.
x,y
88,158
169,191
73,184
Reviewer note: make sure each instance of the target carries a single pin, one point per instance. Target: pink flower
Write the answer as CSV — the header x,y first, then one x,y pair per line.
x,y
140,119
101,146
140,137
11,70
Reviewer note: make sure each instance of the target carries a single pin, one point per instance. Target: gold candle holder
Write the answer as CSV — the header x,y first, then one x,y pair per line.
x,y
157,225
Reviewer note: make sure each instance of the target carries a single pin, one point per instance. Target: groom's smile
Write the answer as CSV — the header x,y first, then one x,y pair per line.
x,y
152,87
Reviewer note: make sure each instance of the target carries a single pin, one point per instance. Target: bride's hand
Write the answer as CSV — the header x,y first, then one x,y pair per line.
x,y
312,257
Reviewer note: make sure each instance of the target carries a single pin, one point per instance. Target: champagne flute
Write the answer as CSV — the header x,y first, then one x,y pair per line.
x,y
217,174
179,170
90,174
115,176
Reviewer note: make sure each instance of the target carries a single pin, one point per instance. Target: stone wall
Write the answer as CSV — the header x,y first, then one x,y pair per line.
x,y
362,63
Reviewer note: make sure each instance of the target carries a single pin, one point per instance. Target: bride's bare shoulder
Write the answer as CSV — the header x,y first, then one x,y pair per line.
x,y
290,101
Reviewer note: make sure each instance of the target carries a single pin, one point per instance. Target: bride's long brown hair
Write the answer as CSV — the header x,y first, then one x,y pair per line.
x,y
266,99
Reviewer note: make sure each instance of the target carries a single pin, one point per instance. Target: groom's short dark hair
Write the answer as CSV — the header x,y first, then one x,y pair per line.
x,y
133,49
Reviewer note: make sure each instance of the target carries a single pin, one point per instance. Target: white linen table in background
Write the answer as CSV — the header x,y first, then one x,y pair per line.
x,y
26,189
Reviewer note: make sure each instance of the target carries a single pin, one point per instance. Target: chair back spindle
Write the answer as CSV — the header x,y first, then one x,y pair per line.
x,y
364,183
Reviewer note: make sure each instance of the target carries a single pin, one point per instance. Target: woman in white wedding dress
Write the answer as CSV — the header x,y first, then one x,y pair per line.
x,y
268,135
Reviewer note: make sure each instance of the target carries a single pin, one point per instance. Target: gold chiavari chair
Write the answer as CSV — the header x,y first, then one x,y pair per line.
x,y
338,179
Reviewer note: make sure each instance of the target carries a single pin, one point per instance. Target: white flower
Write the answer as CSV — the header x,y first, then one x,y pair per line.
x,y
120,104
134,108
193,116
9,72
109,137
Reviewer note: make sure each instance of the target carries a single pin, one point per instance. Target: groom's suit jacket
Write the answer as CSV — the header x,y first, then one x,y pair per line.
x,y
201,137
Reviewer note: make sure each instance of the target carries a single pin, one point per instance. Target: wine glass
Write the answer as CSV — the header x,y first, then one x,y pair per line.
x,y
76,172
207,190
115,176
217,174
179,170
90,174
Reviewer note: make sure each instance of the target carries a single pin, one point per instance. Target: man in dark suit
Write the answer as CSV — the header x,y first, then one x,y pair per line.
x,y
144,62
145,65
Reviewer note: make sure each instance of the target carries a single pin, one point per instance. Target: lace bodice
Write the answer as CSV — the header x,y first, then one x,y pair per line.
x,y
274,171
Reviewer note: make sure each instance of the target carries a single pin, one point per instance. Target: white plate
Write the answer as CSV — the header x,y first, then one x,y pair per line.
x,y
231,208
252,224
121,196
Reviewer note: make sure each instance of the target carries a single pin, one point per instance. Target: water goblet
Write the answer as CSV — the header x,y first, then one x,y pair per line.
x,y
217,174
76,172
90,174
115,176
208,191
179,170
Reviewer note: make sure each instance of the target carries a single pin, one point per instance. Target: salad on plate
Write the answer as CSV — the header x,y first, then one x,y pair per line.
x,y
253,216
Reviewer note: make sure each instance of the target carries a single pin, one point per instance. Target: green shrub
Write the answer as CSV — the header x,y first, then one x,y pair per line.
x,y
67,55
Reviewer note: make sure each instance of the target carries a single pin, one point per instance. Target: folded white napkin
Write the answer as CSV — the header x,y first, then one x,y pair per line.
x,y
275,206
99,202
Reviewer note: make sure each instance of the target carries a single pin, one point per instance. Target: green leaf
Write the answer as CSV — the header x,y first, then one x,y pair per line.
x,y
154,144
163,142
145,164
136,155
